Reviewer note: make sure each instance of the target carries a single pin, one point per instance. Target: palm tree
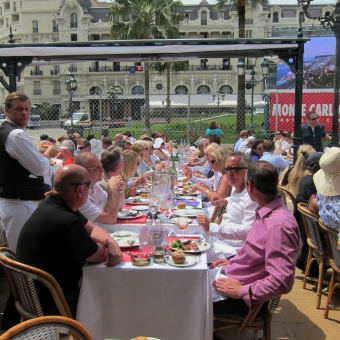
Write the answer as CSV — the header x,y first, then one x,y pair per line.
x,y
145,19
239,6
175,67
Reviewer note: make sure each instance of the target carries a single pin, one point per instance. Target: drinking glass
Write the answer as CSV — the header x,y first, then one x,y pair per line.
x,y
144,237
153,205
182,224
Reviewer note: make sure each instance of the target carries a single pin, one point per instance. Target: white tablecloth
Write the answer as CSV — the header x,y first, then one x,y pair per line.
x,y
159,301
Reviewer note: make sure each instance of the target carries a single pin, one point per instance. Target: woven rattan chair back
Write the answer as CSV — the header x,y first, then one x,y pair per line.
x,y
333,247
21,280
252,321
3,239
311,225
316,251
215,214
48,328
288,198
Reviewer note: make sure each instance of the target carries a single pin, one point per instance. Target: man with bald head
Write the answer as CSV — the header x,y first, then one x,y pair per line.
x,y
118,137
58,239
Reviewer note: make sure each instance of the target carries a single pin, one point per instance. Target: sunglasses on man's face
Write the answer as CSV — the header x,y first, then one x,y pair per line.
x,y
81,147
314,118
233,169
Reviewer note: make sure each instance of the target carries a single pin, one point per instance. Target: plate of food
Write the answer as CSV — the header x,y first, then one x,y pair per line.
x,y
187,212
137,200
179,259
190,246
174,220
129,214
187,192
186,198
55,162
126,238
140,207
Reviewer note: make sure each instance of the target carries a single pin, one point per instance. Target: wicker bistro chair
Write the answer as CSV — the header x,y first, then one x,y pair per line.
x,y
288,198
255,320
48,327
21,280
333,246
3,239
316,251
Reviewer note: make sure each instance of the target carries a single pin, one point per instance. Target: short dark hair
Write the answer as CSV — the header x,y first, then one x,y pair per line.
x,y
121,143
91,136
13,96
311,113
268,145
264,176
127,133
52,140
110,158
154,134
107,141
214,139
254,145
43,136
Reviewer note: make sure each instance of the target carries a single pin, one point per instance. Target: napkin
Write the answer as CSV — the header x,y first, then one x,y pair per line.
x,y
189,203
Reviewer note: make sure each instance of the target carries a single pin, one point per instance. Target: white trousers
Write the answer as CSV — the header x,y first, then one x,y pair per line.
x,y
14,214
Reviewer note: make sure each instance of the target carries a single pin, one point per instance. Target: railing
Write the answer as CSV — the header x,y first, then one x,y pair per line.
x,y
54,72
109,69
73,25
249,21
37,92
210,68
204,22
55,28
56,91
35,30
36,73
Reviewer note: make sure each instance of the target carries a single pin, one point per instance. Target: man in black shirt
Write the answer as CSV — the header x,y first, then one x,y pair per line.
x,y
58,239
313,133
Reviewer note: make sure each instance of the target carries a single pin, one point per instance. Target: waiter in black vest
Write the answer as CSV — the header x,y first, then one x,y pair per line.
x,y
21,168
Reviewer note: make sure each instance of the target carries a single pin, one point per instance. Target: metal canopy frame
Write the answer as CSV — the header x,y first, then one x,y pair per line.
x,y
14,57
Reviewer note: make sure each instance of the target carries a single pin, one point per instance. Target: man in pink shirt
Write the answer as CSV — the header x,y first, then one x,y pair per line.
x,y
264,267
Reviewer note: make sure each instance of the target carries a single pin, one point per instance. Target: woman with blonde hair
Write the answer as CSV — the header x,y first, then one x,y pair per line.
x,y
131,163
291,177
217,185
143,169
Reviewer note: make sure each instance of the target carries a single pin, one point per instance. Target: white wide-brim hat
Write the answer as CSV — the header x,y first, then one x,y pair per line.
x,y
327,179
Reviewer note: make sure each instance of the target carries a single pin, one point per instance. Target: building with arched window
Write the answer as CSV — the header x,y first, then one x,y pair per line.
x,y
85,20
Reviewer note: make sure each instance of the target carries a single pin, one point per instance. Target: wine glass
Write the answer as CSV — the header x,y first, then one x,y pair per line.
x,y
182,223
153,205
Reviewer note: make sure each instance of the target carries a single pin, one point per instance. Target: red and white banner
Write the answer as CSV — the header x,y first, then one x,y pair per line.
x,y
282,107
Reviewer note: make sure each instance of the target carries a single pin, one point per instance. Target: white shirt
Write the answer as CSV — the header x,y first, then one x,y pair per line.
x,y
153,159
238,144
20,147
236,223
96,202
211,182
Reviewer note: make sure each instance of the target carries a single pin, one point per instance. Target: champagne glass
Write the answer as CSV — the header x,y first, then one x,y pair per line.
x,y
144,237
182,224
153,205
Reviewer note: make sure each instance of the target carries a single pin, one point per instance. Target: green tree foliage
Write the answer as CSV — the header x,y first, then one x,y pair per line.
x,y
145,19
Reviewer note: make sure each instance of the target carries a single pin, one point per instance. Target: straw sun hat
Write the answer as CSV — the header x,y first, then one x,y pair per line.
x,y
327,180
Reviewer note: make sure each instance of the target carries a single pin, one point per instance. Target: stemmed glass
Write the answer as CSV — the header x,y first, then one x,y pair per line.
x,y
153,205
182,224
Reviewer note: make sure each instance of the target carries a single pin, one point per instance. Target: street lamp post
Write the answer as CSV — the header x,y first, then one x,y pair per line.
x,y
331,22
219,96
71,86
253,82
114,91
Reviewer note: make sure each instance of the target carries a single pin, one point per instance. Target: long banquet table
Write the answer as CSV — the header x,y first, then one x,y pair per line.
x,y
158,301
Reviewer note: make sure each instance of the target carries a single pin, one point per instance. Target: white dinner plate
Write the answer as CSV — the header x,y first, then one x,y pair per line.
x,y
124,237
180,192
55,161
138,200
174,220
140,207
129,215
203,246
186,197
187,212
189,261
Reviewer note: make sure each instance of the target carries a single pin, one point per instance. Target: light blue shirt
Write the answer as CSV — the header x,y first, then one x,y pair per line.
x,y
202,169
329,210
277,161
238,145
